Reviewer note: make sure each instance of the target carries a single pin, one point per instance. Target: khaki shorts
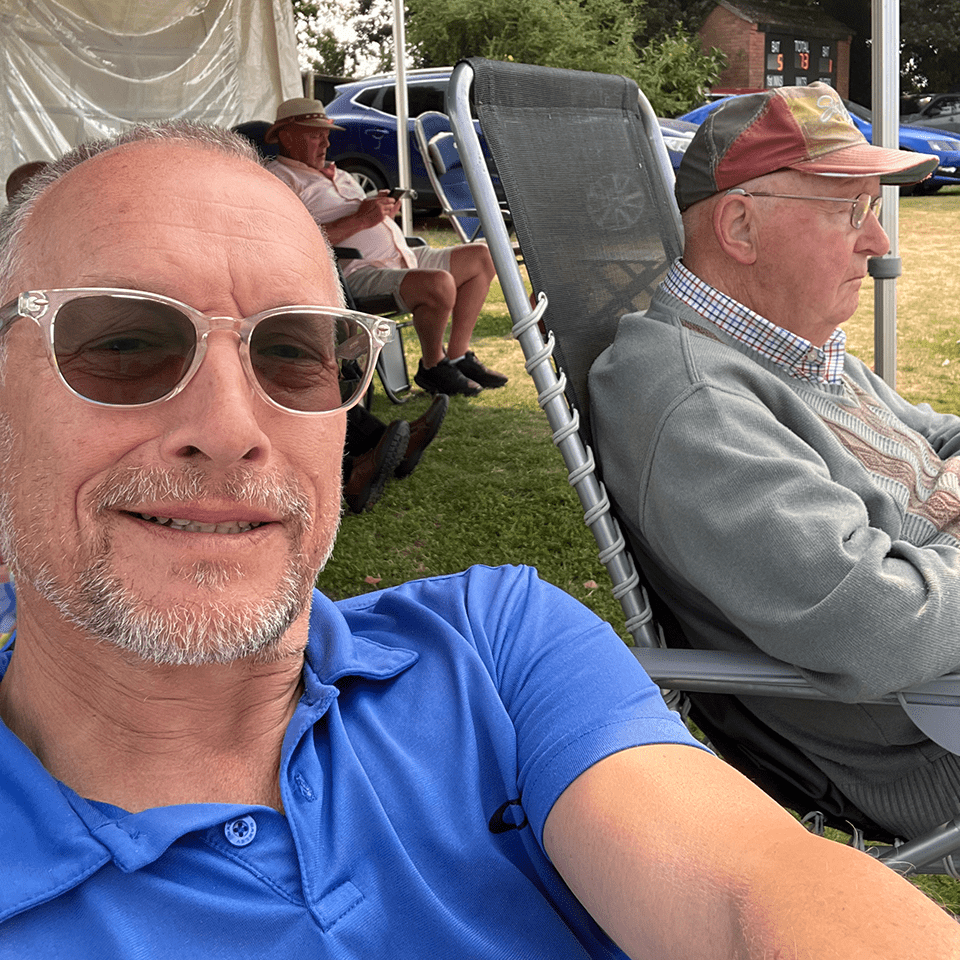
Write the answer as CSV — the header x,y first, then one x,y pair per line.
x,y
383,281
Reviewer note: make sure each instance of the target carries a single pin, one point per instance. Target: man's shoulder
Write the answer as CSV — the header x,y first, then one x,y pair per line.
x,y
483,605
449,589
651,350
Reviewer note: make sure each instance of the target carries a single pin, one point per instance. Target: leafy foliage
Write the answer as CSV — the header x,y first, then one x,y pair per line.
x,y
592,35
344,38
606,36
675,74
598,35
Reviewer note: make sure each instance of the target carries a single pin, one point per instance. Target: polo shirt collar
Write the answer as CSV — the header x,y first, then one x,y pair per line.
x,y
54,839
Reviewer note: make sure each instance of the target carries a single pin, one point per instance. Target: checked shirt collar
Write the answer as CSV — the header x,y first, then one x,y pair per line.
x,y
793,354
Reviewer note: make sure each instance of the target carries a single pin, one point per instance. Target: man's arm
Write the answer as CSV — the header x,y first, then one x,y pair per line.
x,y
677,856
371,211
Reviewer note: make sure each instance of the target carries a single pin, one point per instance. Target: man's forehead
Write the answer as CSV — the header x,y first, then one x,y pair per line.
x,y
135,174
141,201
840,186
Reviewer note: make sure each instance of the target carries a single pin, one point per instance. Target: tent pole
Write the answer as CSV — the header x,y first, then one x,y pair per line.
x,y
885,17
403,136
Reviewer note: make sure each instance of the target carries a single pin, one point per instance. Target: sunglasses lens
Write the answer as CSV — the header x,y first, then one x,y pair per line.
x,y
122,349
310,362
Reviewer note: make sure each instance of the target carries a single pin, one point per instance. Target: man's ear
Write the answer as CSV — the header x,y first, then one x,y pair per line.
x,y
735,227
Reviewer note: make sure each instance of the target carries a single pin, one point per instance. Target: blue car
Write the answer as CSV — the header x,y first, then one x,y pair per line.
x,y
367,146
946,148
677,135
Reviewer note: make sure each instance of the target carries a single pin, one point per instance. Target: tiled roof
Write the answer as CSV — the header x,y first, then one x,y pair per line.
x,y
786,15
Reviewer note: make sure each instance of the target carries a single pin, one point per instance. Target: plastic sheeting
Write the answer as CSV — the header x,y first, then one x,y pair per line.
x,y
75,70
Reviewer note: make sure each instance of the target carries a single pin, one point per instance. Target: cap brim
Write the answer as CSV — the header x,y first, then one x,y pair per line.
x,y
866,160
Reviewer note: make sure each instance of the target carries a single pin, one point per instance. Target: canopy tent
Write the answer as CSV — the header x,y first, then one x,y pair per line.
x,y
72,70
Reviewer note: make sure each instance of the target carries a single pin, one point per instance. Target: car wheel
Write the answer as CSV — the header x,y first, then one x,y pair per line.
x,y
367,177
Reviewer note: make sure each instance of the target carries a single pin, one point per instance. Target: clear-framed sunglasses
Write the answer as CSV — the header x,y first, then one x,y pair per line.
x,y
862,204
130,348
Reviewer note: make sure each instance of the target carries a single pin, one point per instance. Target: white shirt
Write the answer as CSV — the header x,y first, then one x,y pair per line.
x,y
328,199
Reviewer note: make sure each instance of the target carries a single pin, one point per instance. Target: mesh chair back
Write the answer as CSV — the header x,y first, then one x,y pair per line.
x,y
570,144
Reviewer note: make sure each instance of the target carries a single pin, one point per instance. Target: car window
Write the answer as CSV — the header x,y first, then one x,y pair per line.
x,y
420,98
366,97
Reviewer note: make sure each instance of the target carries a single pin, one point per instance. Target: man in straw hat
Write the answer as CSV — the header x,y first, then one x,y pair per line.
x,y
780,494
437,286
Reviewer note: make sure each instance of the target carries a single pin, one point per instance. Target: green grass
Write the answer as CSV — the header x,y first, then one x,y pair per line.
x,y
927,297
492,488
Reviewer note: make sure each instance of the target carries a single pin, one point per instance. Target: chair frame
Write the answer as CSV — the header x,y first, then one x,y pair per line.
x,y
392,361
932,706
435,172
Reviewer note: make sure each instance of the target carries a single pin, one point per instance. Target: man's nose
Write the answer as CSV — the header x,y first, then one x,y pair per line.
x,y
873,240
215,418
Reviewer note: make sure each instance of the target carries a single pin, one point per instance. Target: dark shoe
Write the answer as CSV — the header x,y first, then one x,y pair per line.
x,y
422,431
371,470
445,378
471,367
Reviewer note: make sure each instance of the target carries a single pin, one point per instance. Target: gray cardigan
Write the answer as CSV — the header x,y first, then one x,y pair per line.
x,y
820,523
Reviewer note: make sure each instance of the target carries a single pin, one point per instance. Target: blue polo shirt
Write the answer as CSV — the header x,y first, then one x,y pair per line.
x,y
440,720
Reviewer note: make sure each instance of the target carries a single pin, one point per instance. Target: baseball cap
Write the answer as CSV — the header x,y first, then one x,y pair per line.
x,y
308,113
799,128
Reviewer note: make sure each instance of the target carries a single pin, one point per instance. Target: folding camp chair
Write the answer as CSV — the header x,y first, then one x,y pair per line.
x,y
392,362
441,158
598,231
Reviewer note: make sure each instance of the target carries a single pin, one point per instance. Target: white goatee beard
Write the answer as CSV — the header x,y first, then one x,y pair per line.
x,y
210,629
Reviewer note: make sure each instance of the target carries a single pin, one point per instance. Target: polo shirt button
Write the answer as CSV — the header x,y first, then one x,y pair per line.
x,y
241,831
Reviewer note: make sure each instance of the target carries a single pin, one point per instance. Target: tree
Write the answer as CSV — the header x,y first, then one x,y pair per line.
x,y
929,44
598,35
345,37
676,74
662,17
606,36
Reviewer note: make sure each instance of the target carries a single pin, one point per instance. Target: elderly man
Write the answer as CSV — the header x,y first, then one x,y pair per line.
x,y
204,757
435,285
781,496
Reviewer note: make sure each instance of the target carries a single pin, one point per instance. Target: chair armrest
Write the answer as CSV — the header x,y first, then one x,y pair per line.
x,y
934,707
346,253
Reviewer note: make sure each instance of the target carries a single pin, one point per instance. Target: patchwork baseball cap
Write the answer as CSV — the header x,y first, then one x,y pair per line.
x,y
798,128
306,112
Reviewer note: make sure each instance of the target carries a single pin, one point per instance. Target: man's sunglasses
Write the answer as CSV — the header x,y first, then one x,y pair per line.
x,y
128,348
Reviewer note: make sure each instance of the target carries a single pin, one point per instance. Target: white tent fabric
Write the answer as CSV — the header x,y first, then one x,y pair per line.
x,y
75,70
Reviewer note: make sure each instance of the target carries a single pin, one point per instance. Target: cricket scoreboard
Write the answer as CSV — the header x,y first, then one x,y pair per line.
x,y
797,61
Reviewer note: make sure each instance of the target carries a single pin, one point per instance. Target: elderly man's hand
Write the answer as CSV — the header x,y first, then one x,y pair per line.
x,y
376,209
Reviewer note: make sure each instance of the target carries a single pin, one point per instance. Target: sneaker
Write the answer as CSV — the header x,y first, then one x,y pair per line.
x,y
422,432
370,471
471,367
445,378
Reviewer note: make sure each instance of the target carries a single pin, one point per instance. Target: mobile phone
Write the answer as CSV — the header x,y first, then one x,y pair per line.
x,y
398,193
